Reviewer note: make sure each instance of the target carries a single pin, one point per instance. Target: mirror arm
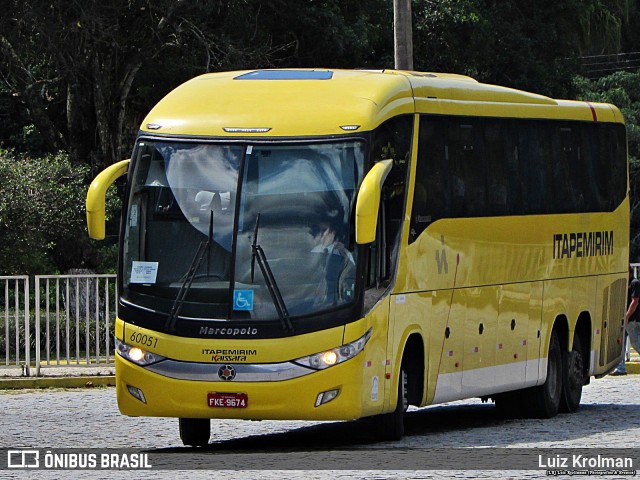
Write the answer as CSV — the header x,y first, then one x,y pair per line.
x,y
96,197
368,201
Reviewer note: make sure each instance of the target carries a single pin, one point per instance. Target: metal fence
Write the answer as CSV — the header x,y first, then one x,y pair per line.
x,y
15,330
66,320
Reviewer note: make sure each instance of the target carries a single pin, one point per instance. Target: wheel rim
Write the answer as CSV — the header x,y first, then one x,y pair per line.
x,y
405,390
575,371
554,374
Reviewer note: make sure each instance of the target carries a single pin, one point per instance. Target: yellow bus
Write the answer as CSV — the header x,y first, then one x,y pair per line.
x,y
331,244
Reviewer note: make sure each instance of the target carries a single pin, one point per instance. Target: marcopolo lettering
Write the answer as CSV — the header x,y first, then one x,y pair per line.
x,y
582,244
233,332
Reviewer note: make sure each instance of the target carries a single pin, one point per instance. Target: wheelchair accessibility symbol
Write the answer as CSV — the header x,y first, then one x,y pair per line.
x,y
243,299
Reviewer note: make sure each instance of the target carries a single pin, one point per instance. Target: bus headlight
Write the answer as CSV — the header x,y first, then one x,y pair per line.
x,y
136,354
329,358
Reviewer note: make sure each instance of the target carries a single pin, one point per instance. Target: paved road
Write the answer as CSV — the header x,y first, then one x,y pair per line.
x,y
609,417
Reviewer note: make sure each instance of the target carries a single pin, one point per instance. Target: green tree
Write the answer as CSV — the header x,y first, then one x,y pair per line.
x,y
87,72
516,43
602,24
73,64
42,217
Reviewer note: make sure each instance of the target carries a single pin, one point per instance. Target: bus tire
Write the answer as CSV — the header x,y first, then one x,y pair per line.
x,y
390,426
572,377
545,399
195,432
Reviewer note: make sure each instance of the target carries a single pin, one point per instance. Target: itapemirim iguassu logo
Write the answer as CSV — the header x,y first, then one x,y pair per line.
x,y
582,244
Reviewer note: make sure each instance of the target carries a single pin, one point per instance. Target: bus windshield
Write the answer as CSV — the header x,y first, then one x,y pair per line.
x,y
199,212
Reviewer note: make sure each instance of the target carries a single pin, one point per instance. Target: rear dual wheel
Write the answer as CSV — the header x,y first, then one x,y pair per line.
x,y
545,399
573,377
561,391
542,401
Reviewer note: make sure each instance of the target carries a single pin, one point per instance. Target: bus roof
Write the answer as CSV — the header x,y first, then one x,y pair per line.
x,y
310,102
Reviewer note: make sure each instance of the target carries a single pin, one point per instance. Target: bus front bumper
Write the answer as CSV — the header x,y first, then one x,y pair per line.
x,y
143,392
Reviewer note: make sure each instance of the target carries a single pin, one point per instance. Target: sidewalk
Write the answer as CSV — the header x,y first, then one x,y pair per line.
x,y
73,376
633,365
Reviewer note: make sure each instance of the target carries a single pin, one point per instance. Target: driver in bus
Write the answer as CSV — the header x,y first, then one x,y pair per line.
x,y
336,261
327,242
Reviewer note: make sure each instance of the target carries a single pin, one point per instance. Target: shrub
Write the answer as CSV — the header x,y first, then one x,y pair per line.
x,y
42,215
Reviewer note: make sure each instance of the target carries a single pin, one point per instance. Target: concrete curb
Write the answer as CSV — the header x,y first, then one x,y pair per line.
x,y
633,367
57,382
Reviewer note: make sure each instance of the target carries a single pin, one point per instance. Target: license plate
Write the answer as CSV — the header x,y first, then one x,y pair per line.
x,y
227,400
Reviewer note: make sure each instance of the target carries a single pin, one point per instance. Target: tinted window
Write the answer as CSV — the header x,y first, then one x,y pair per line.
x,y
478,167
391,140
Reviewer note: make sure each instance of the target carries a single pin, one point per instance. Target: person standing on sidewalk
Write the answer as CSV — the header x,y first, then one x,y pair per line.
x,y
632,315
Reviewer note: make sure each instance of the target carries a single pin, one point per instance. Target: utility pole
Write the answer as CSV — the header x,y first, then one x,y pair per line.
x,y
403,35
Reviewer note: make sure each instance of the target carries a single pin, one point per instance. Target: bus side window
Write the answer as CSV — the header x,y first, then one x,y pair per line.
x,y
391,140
566,196
616,148
611,156
468,171
432,194
532,153
501,196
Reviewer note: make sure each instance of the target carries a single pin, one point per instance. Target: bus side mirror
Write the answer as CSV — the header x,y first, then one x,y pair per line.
x,y
368,202
96,197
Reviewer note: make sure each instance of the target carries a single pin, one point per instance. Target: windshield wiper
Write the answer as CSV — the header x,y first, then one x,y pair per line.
x,y
276,296
203,248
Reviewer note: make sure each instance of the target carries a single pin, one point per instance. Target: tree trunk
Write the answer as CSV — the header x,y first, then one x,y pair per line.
x,y
403,35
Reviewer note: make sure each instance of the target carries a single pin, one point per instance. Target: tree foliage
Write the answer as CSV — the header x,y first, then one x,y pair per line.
x,y
73,64
85,72
42,218
526,45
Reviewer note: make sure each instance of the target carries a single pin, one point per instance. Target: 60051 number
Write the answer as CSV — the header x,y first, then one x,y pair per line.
x,y
142,339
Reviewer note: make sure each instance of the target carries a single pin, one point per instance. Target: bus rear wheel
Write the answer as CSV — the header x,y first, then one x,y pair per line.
x,y
572,377
390,426
195,432
545,399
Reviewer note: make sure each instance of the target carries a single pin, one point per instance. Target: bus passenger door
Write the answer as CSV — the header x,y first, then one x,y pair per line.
x,y
613,308
534,329
513,335
447,337
480,326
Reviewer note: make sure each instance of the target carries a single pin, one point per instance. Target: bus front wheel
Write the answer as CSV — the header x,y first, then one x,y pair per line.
x,y
195,432
390,426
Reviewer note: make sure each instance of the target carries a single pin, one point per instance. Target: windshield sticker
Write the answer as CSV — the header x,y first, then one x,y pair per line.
x,y
243,299
133,218
144,272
